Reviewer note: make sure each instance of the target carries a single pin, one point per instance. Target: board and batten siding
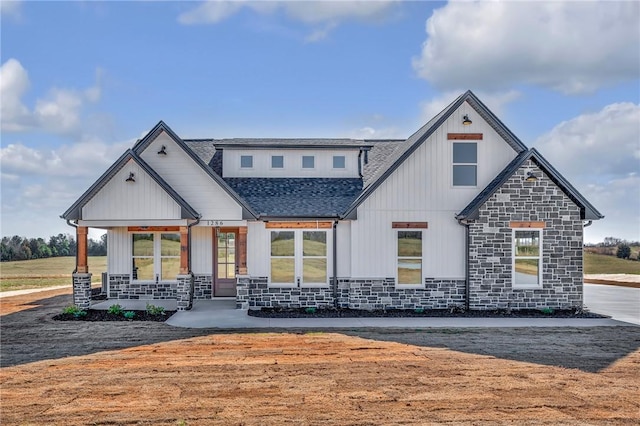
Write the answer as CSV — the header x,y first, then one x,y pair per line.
x,y
188,179
121,200
292,163
343,247
202,250
119,251
421,189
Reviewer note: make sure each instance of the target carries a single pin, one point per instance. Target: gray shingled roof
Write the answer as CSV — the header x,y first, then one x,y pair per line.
x,y
297,197
289,143
587,211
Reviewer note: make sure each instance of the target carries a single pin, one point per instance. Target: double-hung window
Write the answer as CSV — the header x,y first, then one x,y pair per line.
x,y
299,257
527,258
465,164
155,256
409,257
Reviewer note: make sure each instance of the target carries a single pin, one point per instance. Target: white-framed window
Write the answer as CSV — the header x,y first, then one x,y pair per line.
x,y
246,161
338,162
299,258
527,258
409,256
465,164
308,162
277,161
155,256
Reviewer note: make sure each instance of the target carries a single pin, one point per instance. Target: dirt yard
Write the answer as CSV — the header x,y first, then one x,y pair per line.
x,y
150,373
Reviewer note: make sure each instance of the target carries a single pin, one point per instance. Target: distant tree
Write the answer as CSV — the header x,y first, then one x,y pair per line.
x,y
612,241
624,251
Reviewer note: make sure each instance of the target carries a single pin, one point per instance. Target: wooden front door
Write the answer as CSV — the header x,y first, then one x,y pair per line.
x,y
225,263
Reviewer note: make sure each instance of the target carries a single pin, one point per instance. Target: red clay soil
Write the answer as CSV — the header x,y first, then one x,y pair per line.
x,y
312,378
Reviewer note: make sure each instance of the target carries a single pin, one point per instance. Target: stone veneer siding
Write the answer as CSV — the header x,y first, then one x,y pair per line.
x,y
367,294
490,246
82,290
121,287
184,293
202,287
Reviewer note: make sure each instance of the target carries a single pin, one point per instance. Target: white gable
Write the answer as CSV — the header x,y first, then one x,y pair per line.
x,y
188,179
122,200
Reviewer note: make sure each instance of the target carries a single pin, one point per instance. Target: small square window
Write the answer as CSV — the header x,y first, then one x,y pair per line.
x,y
246,161
308,161
277,161
338,162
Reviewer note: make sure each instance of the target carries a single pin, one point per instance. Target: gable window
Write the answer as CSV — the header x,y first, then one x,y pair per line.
x,y
299,258
527,258
246,161
338,162
308,161
277,161
409,253
155,256
465,164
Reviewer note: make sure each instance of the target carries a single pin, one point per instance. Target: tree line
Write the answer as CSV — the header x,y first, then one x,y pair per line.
x,y
22,248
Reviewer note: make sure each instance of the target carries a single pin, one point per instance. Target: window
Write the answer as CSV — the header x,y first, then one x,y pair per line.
x,y
277,161
527,257
156,256
299,258
246,161
226,255
338,161
465,164
409,257
308,161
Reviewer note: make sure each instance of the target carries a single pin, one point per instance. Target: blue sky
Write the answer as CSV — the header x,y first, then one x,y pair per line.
x,y
81,81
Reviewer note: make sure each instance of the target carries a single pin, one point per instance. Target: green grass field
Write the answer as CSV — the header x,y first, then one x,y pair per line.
x,y
603,264
48,272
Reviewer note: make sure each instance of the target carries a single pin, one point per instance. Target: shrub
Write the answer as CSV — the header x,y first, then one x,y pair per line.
x,y
624,251
546,311
115,309
154,310
75,311
129,315
310,310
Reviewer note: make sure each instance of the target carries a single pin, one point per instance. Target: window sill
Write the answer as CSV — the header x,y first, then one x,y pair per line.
x,y
526,287
410,286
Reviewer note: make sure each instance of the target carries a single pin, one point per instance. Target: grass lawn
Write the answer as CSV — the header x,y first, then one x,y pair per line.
x,y
48,272
603,264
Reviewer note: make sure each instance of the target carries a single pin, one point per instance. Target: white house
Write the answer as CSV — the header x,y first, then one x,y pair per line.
x,y
459,214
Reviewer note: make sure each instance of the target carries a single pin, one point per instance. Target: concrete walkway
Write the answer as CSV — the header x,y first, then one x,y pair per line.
x,y
620,303
223,315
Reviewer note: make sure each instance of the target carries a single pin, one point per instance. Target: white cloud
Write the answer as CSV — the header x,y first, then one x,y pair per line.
x,y
571,47
10,8
599,153
60,111
603,143
495,101
324,16
368,132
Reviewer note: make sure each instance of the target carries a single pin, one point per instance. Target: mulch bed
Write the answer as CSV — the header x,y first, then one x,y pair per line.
x,y
419,313
101,315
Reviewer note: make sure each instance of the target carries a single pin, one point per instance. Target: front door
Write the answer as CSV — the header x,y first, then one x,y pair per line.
x,y
225,262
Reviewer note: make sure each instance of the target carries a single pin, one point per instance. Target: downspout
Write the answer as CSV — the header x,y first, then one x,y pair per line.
x,y
335,264
589,223
360,163
192,283
467,277
76,227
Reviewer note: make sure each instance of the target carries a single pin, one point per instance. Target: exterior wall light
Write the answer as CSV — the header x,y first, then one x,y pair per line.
x,y
131,177
466,120
531,177
163,150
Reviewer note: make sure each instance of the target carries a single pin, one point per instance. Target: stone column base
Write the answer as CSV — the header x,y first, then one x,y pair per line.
x,y
184,294
82,290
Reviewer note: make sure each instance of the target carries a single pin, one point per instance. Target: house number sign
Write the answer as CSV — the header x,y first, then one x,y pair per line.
x,y
214,222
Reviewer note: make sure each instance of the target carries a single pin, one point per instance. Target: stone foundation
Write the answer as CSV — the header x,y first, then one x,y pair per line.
x,y
202,287
255,293
121,287
82,290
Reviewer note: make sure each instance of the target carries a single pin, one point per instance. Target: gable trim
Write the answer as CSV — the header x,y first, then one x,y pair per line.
x,y
142,144
75,211
439,119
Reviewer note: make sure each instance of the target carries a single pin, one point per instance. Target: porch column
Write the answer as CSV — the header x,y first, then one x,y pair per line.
x,y
242,250
184,250
82,266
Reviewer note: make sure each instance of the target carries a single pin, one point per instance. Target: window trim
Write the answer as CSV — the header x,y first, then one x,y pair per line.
x,y
243,157
454,164
157,257
277,168
344,162
539,258
421,285
313,157
298,259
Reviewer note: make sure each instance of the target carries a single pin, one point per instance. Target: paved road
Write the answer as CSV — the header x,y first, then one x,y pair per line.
x,y
621,303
